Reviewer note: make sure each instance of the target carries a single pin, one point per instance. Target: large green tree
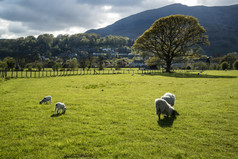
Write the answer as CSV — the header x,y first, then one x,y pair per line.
x,y
170,37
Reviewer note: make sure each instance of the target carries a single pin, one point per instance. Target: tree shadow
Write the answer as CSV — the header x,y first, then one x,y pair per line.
x,y
166,121
188,75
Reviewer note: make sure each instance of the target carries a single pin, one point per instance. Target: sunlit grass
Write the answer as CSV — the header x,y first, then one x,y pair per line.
x,y
113,116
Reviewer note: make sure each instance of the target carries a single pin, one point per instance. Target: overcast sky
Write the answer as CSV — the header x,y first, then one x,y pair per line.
x,y
21,18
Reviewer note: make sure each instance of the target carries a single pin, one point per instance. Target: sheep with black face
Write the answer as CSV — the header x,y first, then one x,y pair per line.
x,y
163,107
60,106
46,100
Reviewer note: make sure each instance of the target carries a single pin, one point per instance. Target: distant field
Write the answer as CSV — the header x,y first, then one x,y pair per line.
x,y
113,116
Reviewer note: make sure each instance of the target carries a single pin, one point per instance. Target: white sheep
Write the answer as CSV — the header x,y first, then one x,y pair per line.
x,y
169,97
46,99
59,106
163,107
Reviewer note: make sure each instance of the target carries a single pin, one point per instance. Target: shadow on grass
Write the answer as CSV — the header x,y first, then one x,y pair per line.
x,y
57,115
75,155
188,75
166,121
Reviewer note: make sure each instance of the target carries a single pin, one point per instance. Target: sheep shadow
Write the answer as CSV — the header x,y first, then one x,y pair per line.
x,y
166,121
56,115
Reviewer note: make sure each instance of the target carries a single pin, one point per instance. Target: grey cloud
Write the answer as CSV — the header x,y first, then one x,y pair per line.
x,y
112,2
57,14
17,28
217,2
2,31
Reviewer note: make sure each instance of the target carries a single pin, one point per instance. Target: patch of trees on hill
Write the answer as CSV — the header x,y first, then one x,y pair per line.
x,y
49,46
84,50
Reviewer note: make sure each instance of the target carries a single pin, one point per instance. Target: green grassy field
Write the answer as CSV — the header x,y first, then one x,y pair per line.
x,y
113,116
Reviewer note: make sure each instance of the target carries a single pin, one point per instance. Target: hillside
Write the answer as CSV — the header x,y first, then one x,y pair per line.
x,y
221,24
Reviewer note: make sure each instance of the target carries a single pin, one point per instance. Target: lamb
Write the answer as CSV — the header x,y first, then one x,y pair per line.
x,y
169,97
59,106
163,107
46,99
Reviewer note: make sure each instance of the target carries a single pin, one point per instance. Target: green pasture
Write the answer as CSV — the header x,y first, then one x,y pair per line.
x,y
113,116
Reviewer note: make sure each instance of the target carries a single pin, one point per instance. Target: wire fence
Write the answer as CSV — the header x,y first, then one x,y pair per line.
x,y
49,73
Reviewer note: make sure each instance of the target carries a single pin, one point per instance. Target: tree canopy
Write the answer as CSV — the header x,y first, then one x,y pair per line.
x,y
170,37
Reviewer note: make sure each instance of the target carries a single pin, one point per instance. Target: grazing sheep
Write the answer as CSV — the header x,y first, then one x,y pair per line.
x,y
46,99
163,107
59,106
169,97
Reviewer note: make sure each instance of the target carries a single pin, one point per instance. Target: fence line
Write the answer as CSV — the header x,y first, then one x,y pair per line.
x,y
49,73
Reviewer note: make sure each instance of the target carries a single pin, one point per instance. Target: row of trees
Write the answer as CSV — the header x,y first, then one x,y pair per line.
x,y
229,61
204,62
211,66
49,46
9,63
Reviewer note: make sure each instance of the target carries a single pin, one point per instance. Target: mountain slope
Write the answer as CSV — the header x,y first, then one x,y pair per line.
x,y
221,24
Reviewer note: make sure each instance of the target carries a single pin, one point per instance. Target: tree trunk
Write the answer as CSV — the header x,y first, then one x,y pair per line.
x,y
168,68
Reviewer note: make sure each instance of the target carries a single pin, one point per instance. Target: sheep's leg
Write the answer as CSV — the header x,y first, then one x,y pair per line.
x,y
63,110
58,111
159,116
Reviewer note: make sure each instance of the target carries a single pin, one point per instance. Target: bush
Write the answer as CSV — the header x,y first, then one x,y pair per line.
x,y
3,65
10,61
235,65
29,66
38,66
224,65
56,66
214,66
200,66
